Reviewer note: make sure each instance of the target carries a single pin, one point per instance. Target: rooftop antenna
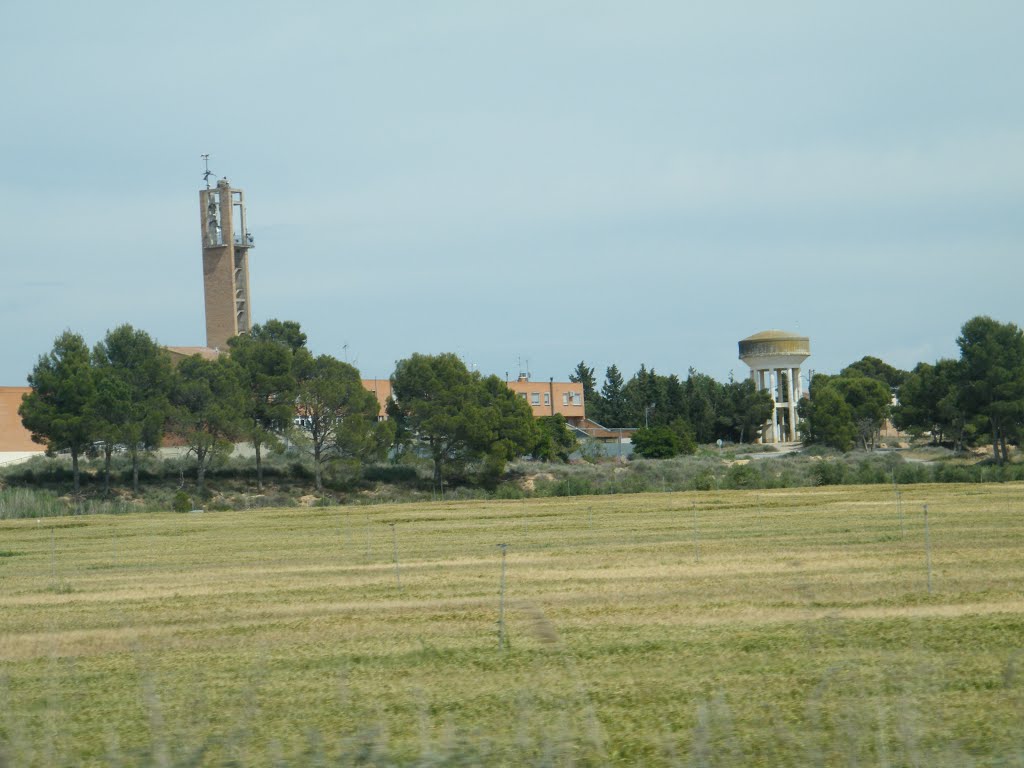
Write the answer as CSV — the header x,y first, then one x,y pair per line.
x,y
208,173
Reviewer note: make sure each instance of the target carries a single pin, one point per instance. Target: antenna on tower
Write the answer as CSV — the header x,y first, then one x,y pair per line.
x,y
208,173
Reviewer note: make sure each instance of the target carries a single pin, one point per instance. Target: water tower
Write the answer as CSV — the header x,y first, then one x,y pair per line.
x,y
775,358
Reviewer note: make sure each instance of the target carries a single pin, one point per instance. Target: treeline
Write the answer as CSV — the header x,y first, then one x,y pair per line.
x,y
674,416
269,390
969,401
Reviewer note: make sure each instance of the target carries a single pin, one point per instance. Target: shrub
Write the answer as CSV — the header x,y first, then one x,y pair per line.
x,y
907,474
870,473
705,481
509,491
742,476
181,502
829,472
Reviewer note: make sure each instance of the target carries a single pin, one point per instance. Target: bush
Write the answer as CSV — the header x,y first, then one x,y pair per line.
x,y
870,473
705,481
509,491
829,472
181,502
742,476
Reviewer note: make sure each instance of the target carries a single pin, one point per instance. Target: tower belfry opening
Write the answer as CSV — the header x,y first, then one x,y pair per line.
x,y
226,243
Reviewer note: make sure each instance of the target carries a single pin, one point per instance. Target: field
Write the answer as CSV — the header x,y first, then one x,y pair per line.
x,y
777,627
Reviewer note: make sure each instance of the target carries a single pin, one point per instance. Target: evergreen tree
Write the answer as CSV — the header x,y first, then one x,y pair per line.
x,y
457,416
133,384
338,414
208,410
826,418
614,406
58,410
265,367
554,440
991,382
869,400
593,405
927,402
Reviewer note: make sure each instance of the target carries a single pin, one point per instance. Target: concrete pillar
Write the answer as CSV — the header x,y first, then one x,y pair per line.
x,y
773,376
792,408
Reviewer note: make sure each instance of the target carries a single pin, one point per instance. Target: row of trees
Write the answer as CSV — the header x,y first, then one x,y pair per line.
x,y
270,390
706,409
125,394
977,397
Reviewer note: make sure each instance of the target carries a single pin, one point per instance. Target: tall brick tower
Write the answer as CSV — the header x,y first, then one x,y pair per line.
x,y
226,244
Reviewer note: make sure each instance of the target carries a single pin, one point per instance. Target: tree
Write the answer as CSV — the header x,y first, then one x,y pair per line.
x,y
658,442
745,409
613,399
869,400
107,411
511,428
208,409
554,440
991,382
874,368
133,384
456,415
285,332
702,395
58,410
338,414
584,375
646,398
927,402
664,441
826,418
265,364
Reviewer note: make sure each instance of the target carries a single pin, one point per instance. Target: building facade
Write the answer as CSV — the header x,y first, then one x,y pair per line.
x,y
14,438
546,398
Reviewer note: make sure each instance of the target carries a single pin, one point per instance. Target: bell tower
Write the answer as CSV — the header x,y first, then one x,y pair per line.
x,y
226,244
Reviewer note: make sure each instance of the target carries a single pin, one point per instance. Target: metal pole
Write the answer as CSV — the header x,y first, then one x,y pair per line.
x,y
501,600
696,534
394,544
928,548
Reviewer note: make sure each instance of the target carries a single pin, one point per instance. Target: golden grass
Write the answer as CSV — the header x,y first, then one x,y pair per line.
x,y
789,627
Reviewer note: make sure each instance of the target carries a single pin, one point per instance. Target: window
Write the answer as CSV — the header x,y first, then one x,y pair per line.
x,y
522,395
576,398
535,398
565,398
547,399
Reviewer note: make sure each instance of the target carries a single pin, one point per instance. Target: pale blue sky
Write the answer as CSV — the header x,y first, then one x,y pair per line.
x,y
643,182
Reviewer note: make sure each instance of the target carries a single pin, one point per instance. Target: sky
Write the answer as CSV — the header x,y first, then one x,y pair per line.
x,y
526,184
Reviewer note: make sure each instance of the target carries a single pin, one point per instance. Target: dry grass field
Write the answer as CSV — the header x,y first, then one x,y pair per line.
x,y
788,627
